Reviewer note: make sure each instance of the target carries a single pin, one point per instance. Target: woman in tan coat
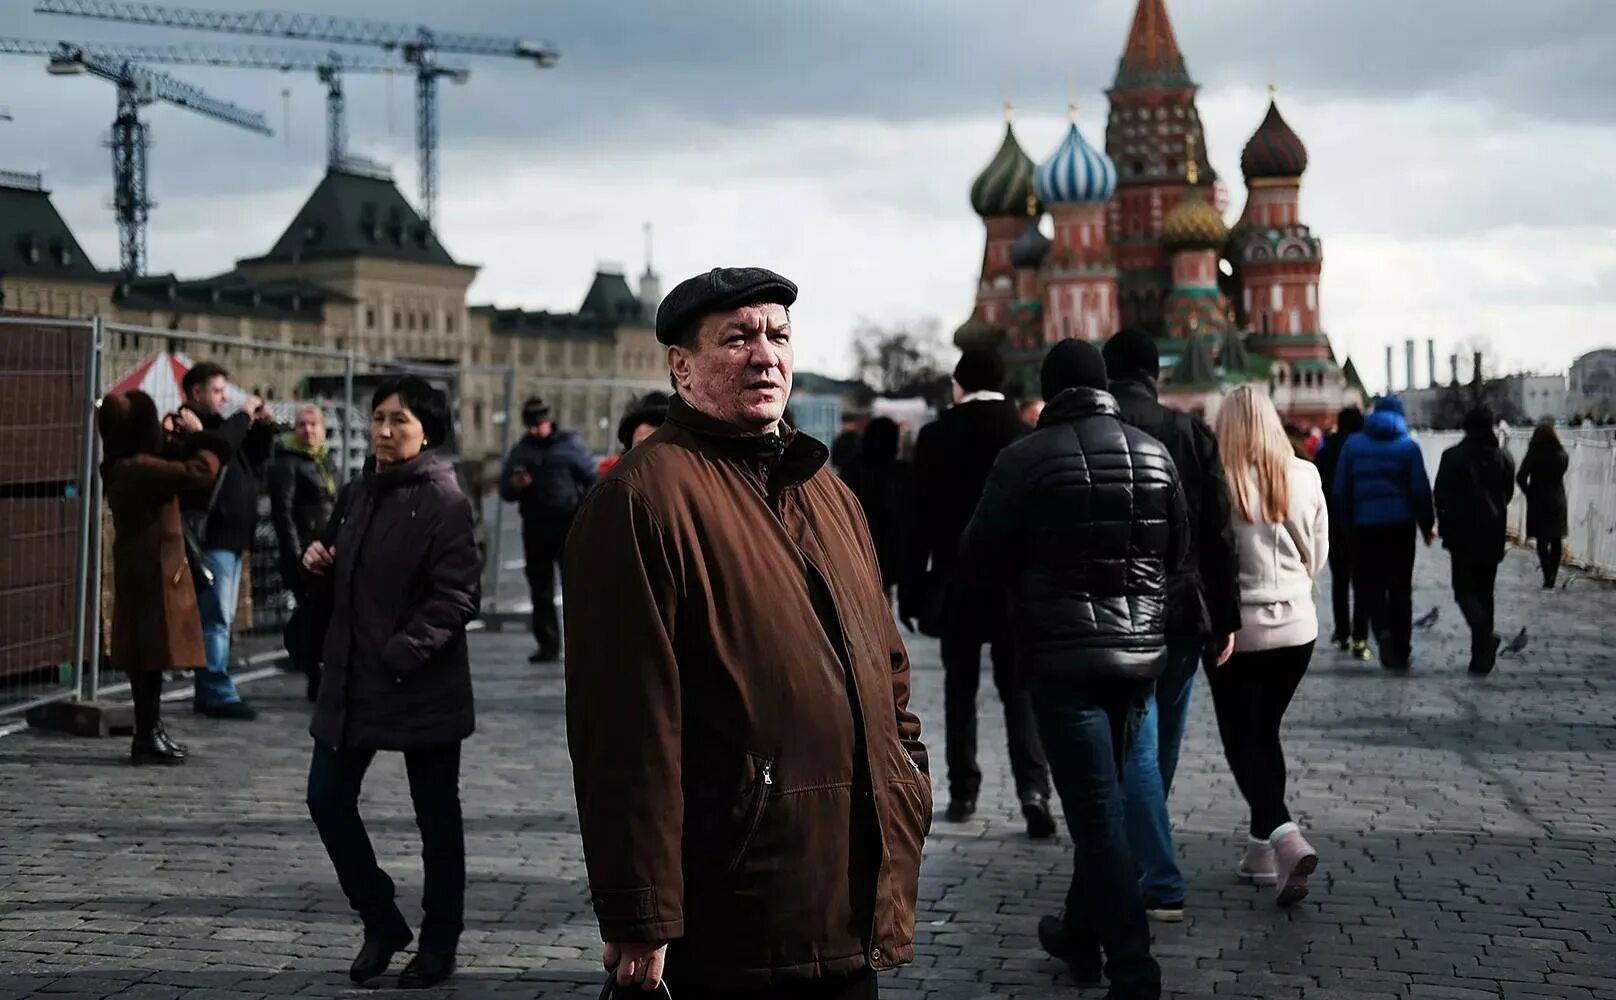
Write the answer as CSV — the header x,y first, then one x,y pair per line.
x,y
155,624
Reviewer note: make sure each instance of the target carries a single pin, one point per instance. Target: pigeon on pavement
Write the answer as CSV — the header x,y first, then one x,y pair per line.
x,y
1518,643
1427,620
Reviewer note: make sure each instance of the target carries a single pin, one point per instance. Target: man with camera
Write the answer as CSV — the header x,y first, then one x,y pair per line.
x,y
221,519
547,475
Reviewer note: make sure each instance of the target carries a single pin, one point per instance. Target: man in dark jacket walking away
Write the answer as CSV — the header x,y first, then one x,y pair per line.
x,y
752,789
1083,523
1346,591
1203,612
302,491
1474,484
953,456
223,518
1382,490
547,475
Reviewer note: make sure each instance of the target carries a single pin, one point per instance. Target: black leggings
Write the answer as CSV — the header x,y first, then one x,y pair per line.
x,y
1548,557
146,691
1251,693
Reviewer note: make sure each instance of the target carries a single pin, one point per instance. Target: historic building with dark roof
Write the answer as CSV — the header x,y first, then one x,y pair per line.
x,y
1139,240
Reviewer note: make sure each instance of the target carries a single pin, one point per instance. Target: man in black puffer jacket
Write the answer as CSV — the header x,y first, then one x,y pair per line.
x,y
1203,612
1081,525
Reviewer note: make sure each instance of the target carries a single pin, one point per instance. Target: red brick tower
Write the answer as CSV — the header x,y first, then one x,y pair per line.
x,y
1152,114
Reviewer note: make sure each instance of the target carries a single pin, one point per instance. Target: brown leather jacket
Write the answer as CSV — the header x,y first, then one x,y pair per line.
x,y
737,796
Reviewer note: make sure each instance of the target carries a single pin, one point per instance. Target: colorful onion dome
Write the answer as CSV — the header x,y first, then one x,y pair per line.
x,y
1194,225
1274,150
1001,188
1031,247
1075,172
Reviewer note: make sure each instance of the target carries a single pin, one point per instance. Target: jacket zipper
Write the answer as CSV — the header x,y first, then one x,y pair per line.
x,y
754,818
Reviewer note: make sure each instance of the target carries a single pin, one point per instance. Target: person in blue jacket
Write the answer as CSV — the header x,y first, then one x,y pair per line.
x,y
1381,487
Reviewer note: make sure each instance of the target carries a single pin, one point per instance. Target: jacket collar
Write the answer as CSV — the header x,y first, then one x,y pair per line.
x,y
1075,404
427,465
1135,388
784,459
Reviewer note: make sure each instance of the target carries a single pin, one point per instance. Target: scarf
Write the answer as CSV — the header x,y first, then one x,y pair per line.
x,y
322,460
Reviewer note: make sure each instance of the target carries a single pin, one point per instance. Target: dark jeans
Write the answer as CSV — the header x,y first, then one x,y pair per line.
x,y
1548,557
1346,589
335,779
1087,734
1473,581
1251,693
962,677
146,691
543,540
1148,774
860,986
1384,559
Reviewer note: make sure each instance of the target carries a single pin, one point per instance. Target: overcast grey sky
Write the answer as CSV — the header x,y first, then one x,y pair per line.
x,y
1461,149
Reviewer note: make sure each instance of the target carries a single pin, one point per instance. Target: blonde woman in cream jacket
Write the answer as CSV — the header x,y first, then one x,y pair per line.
x,y
1282,535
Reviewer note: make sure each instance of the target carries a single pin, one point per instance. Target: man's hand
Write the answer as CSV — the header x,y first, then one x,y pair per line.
x,y
1429,535
318,558
636,964
521,479
1226,649
187,422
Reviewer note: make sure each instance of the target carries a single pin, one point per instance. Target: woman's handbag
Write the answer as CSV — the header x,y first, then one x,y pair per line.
x,y
193,524
611,991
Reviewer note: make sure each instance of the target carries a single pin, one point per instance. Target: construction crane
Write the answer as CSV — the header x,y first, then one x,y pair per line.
x,y
418,44
137,87
329,67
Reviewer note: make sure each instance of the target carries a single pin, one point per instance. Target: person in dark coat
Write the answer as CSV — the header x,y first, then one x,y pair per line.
x,y
1381,489
224,517
880,480
953,456
302,491
547,475
1542,480
155,622
1203,610
1082,524
1346,592
403,572
1474,483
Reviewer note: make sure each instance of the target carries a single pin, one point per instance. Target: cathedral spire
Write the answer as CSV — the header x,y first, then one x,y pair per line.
x,y
1151,57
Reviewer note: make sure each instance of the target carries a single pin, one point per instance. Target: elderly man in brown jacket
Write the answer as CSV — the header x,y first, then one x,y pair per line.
x,y
752,788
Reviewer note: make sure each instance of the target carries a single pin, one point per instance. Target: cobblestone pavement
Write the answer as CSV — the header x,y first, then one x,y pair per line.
x,y
1461,825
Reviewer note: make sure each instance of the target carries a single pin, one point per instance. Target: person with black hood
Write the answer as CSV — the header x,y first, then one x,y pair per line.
x,y
1346,592
547,475
880,480
1203,611
953,456
643,418
156,624
1542,480
1082,523
1381,489
402,573
1474,484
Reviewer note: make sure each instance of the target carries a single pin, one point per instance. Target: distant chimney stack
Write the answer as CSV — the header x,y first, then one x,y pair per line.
x,y
1453,369
1388,369
1408,363
1475,369
1430,360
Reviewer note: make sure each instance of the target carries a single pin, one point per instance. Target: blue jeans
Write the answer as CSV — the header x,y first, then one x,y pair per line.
x,y
217,605
1148,778
1086,734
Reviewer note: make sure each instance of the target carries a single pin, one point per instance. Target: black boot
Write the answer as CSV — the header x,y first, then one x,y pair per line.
x,y
1040,821
147,748
1484,655
162,737
1083,960
426,969
376,955
961,808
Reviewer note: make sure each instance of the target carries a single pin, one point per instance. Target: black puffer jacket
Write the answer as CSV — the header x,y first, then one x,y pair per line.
x,y
302,490
405,584
1081,524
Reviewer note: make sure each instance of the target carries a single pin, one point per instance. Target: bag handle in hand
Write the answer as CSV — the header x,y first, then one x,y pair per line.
x,y
611,992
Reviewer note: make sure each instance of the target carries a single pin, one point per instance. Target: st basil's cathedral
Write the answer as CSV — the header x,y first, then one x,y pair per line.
x,y
1139,240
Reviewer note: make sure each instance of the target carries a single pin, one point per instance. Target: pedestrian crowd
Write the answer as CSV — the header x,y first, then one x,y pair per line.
x,y
752,785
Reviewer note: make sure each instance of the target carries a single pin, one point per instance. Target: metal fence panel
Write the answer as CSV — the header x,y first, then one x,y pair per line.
x,y
1590,492
46,437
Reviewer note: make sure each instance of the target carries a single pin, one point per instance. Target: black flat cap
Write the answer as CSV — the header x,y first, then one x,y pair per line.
x,y
718,290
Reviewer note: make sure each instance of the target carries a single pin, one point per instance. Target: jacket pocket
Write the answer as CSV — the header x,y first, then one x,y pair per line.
x,y
758,793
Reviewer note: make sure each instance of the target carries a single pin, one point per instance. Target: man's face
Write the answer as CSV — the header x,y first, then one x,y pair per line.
x,y
309,427
740,368
542,429
208,397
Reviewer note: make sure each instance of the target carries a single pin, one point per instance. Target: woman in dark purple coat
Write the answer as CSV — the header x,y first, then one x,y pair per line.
x,y
402,570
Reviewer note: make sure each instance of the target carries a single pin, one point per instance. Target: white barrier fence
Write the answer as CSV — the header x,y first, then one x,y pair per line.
x,y
1590,492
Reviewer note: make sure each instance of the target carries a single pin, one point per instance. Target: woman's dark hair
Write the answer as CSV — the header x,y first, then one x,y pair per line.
x,y
651,408
1545,439
429,405
129,426
880,444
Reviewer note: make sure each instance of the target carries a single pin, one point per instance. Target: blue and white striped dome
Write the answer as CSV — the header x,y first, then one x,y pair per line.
x,y
1075,172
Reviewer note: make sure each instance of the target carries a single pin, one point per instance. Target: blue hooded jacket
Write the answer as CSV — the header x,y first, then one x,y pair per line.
x,y
1380,477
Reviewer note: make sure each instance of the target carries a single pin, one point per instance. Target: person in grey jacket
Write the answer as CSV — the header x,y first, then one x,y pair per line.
x,y
547,475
